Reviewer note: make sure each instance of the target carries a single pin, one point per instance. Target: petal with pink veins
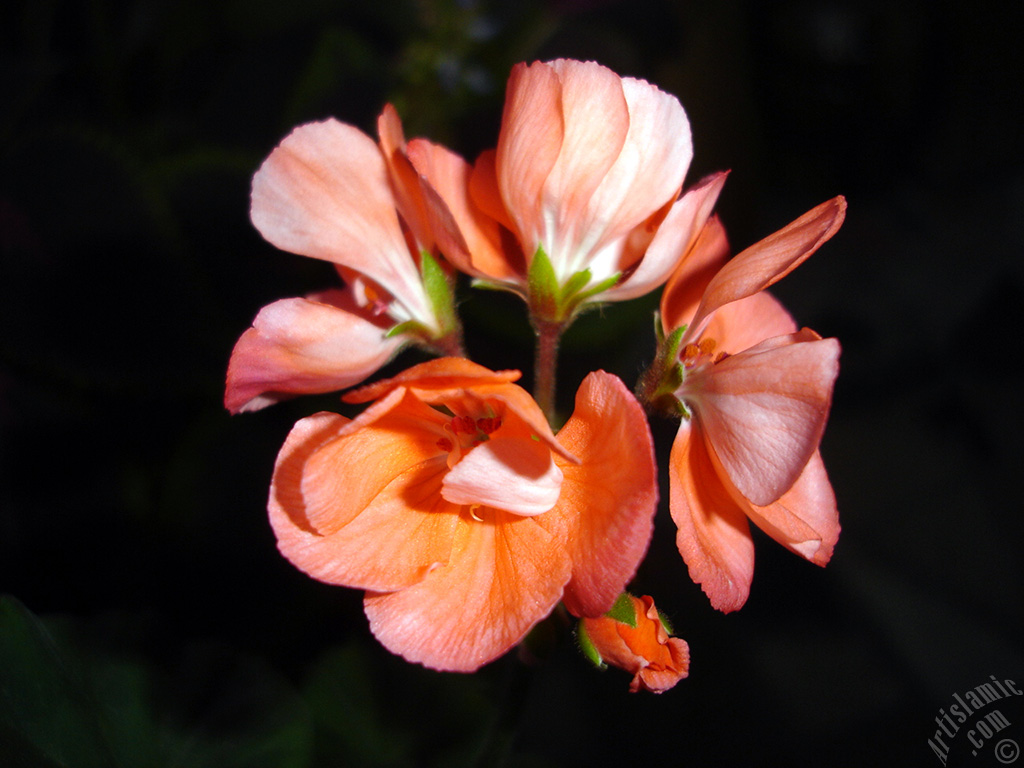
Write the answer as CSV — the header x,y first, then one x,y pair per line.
x,y
764,410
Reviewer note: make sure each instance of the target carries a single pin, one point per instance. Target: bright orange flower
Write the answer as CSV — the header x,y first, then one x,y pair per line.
x,y
755,394
588,165
633,636
330,192
450,501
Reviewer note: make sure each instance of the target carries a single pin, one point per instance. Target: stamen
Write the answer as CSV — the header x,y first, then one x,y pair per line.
x,y
445,444
489,425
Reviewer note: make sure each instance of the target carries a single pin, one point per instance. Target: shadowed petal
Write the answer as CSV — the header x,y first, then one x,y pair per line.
x,y
713,535
303,346
505,574
743,324
608,500
764,410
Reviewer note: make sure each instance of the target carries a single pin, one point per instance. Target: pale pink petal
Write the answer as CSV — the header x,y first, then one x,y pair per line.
x,y
673,239
505,574
324,192
608,500
713,535
764,410
516,474
767,262
301,346
529,143
595,125
684,289
804,519
646,176
358,503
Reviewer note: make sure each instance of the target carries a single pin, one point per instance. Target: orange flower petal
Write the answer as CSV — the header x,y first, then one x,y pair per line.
x,y
608,500
747,322
405,182
302,346
358,503
764,410
442,373
505,574
713,535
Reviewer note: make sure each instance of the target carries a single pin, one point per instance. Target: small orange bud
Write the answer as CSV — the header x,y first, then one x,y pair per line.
x,y
633,637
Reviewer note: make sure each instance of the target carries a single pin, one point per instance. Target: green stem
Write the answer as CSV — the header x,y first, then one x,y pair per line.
x,y
545,363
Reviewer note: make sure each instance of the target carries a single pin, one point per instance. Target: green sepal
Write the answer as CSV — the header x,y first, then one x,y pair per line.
x,y
587,647
490,285
542,283
665,623
604,285
623,611
439,292
575,284
410,328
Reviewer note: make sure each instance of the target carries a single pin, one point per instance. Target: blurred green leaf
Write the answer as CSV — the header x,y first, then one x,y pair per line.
x,y
45,704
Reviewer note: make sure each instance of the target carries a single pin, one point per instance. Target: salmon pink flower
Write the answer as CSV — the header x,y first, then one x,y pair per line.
x,y
754,393
330,192
567,208
634,636
458,511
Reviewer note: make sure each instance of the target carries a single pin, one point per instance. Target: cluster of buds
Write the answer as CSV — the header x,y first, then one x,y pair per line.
x,y
451,500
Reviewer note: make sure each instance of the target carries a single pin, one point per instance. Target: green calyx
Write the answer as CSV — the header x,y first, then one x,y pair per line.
x,y
558,304
587,647
441,296
658,386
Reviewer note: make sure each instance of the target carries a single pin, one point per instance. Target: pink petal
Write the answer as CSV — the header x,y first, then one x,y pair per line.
x,y
505,574
609,498
685,287
767,262
804,519
301,346
747,322
405,182
515,474
646,176
324,192
713,536
764,410
469,238
529,143
674,238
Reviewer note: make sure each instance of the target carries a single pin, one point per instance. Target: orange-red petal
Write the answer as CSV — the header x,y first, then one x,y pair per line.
x,y
609,499
505,574
713,535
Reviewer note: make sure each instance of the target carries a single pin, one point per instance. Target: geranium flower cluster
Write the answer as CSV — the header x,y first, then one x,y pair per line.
x,y
450,500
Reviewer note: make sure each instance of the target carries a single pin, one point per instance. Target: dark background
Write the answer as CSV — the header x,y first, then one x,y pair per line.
x,y
152,620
